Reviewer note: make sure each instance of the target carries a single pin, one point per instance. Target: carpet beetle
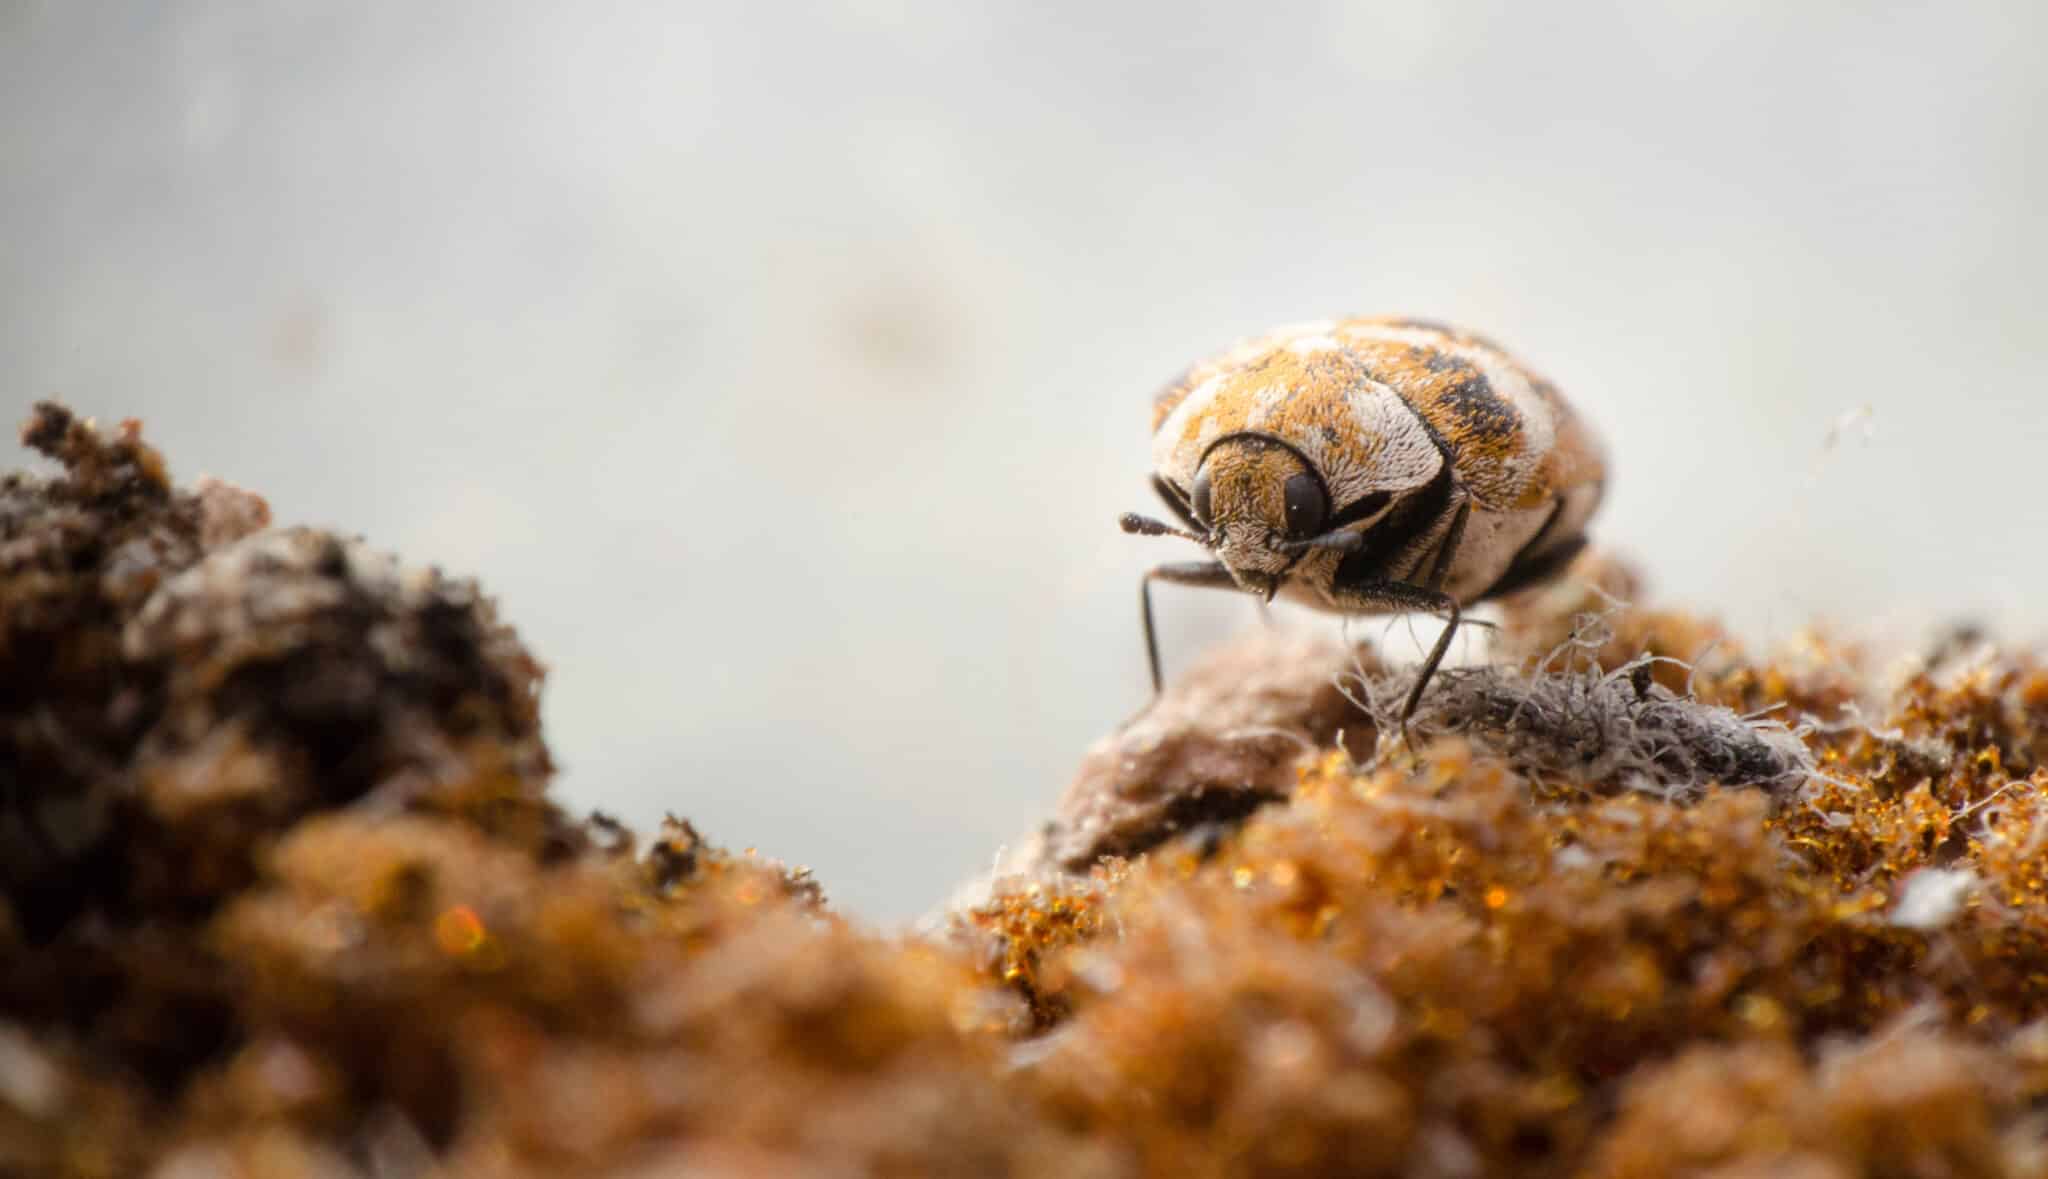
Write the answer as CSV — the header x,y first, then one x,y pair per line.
x,y
1369,466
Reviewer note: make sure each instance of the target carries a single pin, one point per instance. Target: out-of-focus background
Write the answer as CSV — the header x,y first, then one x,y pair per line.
x,y
782,367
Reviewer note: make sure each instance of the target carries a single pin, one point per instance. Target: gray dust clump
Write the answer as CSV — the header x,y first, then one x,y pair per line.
x,y
1616,728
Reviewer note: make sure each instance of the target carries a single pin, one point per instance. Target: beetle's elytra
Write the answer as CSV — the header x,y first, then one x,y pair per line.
x,y
1370,466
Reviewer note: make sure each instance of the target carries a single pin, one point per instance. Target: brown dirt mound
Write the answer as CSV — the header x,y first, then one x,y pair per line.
x,y
282,893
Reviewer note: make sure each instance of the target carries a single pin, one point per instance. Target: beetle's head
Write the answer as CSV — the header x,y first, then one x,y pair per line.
x,y
1260,506
1256,496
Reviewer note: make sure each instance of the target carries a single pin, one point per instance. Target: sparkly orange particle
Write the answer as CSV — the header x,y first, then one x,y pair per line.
x,y
459,931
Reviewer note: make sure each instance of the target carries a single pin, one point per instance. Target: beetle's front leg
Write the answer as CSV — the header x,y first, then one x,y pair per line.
x,y
1381,596
1210,574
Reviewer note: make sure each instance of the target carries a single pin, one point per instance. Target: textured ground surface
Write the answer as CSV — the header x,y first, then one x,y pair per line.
x,y
282,893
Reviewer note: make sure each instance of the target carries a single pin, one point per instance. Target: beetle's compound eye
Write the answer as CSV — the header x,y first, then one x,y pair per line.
x,y
1199,498
1306,506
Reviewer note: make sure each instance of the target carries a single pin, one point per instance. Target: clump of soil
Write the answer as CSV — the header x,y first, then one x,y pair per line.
x,y
282,893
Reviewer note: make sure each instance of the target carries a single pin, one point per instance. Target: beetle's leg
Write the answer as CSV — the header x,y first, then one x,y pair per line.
x,y
1210,574
1448,550
1399,595
1428,596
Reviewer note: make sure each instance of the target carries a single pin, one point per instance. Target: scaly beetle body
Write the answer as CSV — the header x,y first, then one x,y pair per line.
x,y
1370,466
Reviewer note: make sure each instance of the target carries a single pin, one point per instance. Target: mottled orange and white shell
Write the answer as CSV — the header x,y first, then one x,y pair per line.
x,y
1385,405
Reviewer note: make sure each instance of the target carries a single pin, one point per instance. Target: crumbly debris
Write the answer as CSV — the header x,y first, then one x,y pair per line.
x,y
285,896
1219,743
80,552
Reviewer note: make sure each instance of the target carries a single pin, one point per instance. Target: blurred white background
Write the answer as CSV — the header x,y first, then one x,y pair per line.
x,y
782,367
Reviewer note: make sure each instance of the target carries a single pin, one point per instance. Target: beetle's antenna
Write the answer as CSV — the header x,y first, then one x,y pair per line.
x,y
1137,525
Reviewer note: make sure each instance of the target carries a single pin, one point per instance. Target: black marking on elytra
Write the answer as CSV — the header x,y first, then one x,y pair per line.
x,y
1439,362
1481,412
